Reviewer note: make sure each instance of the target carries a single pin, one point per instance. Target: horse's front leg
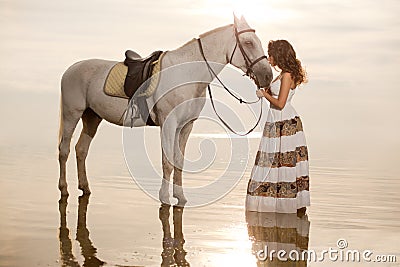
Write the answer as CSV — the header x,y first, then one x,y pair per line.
x,y
168,131
179,158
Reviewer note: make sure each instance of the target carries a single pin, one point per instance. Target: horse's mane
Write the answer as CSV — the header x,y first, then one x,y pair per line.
x,y
215,30
209,32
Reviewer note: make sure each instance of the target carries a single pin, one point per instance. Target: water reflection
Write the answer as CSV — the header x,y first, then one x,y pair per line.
x,y
278,231
173,253
88,250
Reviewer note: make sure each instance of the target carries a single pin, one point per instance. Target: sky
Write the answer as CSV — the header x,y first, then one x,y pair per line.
x,y
353,40
349,48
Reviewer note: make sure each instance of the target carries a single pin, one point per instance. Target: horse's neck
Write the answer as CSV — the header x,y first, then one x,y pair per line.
x,y
215,46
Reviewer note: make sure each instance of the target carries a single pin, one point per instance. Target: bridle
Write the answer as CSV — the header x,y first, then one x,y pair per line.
x,y
247,60
249,72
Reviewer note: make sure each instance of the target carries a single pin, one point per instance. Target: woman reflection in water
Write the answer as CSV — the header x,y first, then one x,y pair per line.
x,y
279,239
279,180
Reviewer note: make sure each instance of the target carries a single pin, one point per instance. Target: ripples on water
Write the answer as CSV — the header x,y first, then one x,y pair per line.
x,y
119,225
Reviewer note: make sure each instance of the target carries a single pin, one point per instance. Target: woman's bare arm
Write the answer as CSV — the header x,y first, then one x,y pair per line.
x,y
286,83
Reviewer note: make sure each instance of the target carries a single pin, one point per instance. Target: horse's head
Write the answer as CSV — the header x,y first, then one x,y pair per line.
x,y
248,55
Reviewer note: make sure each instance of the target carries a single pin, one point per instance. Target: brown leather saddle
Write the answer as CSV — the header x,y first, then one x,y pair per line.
x,y
139,70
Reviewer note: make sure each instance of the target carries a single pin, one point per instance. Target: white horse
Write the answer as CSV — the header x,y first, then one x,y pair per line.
x,y
82,97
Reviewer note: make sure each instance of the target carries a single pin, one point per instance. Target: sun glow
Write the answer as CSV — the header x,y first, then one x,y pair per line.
x,y
237,246
259,10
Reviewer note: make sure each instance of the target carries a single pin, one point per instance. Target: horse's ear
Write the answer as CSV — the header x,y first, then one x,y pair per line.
x,y
244,22
241,23
236,20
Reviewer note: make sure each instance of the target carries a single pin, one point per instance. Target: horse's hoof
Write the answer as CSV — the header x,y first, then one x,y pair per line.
x,y
165,202
181,200
179,195
164,198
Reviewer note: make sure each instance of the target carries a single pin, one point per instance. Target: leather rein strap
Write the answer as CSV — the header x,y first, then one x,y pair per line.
x,y
226,124
247,60
249,72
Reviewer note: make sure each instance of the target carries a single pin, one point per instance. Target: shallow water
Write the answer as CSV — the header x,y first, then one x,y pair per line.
x,y
119,224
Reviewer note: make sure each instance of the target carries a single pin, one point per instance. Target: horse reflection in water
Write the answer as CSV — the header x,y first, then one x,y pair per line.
x,y
278,231
82,235
173,253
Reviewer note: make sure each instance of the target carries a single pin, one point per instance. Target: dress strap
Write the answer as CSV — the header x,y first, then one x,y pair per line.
x,y
277,77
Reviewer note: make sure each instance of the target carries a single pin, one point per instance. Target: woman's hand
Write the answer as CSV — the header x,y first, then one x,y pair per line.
x,y
268,90
260,93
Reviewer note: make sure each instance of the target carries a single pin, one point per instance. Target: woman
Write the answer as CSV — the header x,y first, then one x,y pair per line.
x,y
279,180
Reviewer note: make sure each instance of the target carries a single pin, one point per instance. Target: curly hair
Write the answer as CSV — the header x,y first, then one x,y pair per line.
x,y
285,58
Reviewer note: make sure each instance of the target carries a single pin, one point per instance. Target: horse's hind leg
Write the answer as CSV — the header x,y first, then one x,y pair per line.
x,y
90,122
69,120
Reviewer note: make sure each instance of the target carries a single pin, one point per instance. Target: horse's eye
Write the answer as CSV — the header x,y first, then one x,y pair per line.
x,y
249,43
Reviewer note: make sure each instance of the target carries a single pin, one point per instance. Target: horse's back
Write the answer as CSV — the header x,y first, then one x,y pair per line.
x,y
87,70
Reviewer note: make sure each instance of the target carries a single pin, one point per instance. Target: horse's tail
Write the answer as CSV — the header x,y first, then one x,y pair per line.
x,y
60,130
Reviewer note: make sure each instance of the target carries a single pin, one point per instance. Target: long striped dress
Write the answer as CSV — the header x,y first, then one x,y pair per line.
x,y
279,180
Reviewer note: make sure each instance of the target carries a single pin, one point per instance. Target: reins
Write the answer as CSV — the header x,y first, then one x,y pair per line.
x,y
226,124
219,80
249,72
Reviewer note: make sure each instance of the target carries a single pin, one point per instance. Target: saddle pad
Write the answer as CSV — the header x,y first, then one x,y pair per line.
x,y
114,85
